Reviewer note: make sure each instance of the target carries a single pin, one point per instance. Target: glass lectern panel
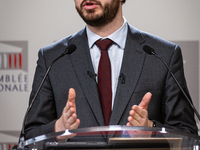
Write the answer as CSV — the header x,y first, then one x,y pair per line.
x,y
114,137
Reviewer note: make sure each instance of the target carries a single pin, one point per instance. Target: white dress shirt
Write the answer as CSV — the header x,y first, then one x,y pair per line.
x,y
115,52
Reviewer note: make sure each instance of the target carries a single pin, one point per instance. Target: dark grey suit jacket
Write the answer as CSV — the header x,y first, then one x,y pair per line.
x,y
142,72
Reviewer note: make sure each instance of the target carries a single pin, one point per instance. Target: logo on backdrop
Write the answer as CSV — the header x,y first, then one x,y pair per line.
x,y
13,66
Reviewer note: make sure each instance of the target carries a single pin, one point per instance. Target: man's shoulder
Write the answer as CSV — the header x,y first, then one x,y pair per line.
x,y
64,42
161,46
149,37
57,48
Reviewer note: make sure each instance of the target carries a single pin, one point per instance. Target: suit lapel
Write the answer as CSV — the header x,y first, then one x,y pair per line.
x,y
133,60
83,67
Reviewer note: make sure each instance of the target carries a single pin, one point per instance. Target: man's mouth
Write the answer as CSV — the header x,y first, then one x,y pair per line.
x,y
89,5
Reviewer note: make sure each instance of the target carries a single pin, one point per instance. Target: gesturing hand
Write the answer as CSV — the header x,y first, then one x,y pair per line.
x,y
139,114
69,119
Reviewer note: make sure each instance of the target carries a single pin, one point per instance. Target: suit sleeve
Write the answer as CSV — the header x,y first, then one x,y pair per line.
x,y
178,114
42,116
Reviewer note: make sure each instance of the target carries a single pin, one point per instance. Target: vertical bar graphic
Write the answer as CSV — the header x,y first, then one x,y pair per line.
x,y
20,60
15,61
10,60
5,60
13,55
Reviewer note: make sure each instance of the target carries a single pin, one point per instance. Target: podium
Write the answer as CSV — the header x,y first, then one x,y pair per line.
x,y
114,138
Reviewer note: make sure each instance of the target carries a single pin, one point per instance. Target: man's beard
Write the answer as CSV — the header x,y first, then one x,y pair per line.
x,y
109,12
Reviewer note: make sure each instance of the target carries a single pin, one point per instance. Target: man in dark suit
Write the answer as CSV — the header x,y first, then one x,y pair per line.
x,y
143,92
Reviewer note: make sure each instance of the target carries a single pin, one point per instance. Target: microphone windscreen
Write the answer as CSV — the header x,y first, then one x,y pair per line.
x,y
148,49
71,48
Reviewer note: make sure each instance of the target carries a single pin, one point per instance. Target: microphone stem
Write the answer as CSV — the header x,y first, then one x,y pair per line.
x,y
38,90
195,111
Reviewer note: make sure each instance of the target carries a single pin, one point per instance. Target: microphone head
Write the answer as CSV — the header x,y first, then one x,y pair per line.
x,y
70,49
148,49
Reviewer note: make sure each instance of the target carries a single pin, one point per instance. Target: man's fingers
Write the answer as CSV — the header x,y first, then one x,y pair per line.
x,y
145,100
69,119
133,122
69,112
75,124
71,95
71,100
138,114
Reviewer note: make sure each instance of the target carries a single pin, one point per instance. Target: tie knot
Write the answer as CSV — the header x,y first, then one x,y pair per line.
x,y
104,44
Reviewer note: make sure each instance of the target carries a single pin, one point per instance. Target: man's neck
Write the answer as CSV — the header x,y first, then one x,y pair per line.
x,y
109,28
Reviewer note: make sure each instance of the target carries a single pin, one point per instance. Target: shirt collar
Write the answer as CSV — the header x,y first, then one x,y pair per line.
x,y
116,37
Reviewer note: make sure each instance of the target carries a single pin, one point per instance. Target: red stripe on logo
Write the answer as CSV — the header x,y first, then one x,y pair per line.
x,y
20,60
15,61
10,60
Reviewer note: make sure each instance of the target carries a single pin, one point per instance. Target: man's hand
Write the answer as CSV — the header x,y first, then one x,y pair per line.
x,y
139,114
69,119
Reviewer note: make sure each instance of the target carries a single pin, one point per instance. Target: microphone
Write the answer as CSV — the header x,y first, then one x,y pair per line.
x,y
122,78
91,75
70,49
149,50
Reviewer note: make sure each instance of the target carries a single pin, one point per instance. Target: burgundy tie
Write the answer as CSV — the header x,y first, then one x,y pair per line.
x,y
104,79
